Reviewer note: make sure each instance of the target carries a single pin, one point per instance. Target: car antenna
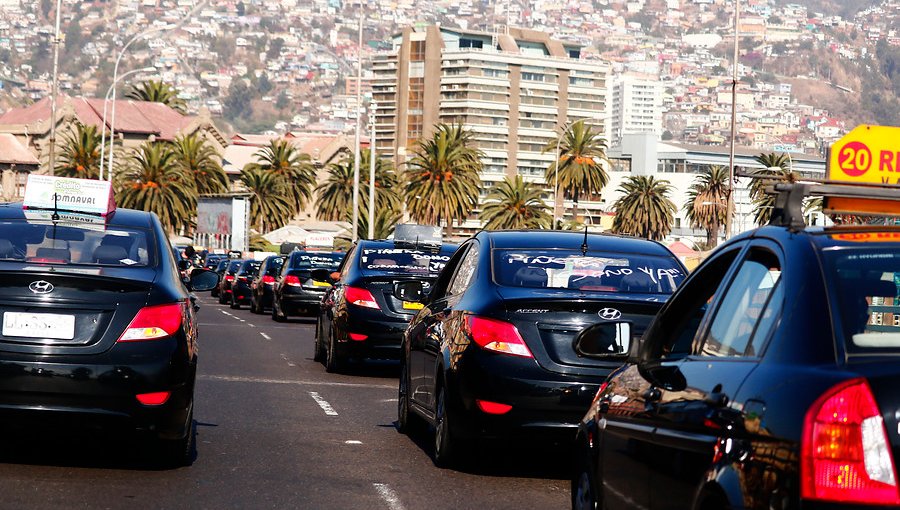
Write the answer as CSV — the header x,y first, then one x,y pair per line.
x,y
584,245
55,216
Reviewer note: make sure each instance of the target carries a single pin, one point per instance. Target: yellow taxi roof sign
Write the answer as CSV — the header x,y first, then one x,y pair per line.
x,y
867,154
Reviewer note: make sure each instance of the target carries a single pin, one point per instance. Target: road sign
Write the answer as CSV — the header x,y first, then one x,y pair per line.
x,y
867,154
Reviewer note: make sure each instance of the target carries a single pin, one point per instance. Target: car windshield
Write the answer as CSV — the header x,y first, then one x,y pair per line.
x,y
75,244
867,285
403,261
305,260
594,271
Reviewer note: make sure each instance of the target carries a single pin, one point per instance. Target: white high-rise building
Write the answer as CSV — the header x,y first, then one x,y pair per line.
x,y
636,102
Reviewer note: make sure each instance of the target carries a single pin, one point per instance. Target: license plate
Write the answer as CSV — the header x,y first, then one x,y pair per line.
x,y
321,284
412,305
39,325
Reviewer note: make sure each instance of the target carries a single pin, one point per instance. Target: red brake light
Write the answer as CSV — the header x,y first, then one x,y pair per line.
x,y
497,336
359,337
268,279
153,399
492,407
845,453
361,297
229,277
292,280
152,322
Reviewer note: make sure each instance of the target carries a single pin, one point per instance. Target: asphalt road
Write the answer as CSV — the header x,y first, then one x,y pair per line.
x,y
274,430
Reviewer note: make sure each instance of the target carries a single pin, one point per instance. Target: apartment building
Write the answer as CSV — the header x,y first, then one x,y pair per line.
x,y
515,91
637,106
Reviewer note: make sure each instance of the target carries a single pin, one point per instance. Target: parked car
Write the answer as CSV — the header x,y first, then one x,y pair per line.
x,y
212,261
228,280
240,287
768,380
263,282
220,269
296,291
365,314
491,354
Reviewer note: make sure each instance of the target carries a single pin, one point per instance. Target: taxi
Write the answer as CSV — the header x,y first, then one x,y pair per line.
x,y
98,327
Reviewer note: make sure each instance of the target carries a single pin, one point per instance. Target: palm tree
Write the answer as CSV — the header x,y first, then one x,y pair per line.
x,y
199,160
292,167
153,180
80,154
644,209
442,178
776,169
707,202
579,169
271,204
157,92
335,195
514,203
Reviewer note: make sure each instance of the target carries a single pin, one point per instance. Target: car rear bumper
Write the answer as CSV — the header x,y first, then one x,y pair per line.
x,y
382,337
241,293
301,302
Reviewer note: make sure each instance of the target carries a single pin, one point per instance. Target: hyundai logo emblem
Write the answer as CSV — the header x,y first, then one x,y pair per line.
x,y
41,287
609,314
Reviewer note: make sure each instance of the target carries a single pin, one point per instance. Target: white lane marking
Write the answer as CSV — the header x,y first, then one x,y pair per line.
x,y
251,325
323,404
352,441
230,378
289,362
267,337
389,496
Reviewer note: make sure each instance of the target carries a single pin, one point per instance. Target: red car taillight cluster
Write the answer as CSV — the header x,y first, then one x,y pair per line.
x,y
845,453
268,279
293,281
229,277
153,322
497,336
361,297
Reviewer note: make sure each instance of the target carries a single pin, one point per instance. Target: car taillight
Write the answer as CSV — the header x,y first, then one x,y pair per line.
x,y
497,336
489,407
292,280
268,279
229,277
361,297
845,453
152,322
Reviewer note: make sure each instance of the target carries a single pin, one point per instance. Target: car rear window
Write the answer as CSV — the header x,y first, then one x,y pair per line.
x,y
234,265
594,271
74,244
250,268
867,285
393,261
304,260
274,266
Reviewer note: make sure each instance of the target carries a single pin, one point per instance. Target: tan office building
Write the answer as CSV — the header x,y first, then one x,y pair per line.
x,y
515,91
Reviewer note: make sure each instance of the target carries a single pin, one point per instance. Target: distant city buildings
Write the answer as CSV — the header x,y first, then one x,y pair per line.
x,y
637,106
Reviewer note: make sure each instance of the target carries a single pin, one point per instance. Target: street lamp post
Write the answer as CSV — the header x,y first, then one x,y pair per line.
x,y
358,128
105,102
55,89
729,212
372,108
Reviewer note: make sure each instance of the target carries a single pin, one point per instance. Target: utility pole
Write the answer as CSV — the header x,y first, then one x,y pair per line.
x,y
729,204
358,129
372,108
51,160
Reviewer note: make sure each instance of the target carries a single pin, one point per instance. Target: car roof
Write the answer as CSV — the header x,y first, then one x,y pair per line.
x,y
118,218
389,243
567,239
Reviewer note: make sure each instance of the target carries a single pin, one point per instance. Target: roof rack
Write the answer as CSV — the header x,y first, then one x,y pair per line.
x,y
859,199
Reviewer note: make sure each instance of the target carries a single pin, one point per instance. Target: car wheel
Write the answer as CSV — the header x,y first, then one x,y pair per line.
x,y
583,495
275,315
333,362
235,304
222,298
178,452
253,308
405,419
448,448
318,354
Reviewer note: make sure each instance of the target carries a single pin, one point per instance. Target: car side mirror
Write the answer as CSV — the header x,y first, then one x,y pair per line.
x,y
604,340
202,279
321,275
413,291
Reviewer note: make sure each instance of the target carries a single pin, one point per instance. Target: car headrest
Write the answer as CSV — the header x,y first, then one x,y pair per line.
x,y
531,277
109,255
7,250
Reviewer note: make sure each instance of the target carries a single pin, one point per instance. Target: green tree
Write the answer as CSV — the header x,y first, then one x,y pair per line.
x,y
294,168
776,168
236,104
335,195
644,209
153,180
282,101
271,204
579,169
275,47
157,92
79,155
514,203
200,161
707,201
442,178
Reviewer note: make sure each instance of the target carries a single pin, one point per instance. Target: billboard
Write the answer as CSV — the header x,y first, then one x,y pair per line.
x,y
214,216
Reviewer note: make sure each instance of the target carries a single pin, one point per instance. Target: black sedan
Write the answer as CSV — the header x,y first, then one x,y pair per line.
x,y
228,280
97,327
296,291
240,287
365,314
769,380
220,269
491,355
263,282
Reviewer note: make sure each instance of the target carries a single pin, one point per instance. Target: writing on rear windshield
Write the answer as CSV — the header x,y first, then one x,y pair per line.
x,y
401,260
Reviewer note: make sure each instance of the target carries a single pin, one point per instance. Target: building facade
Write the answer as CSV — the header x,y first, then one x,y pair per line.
x,y
637,106
515,91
